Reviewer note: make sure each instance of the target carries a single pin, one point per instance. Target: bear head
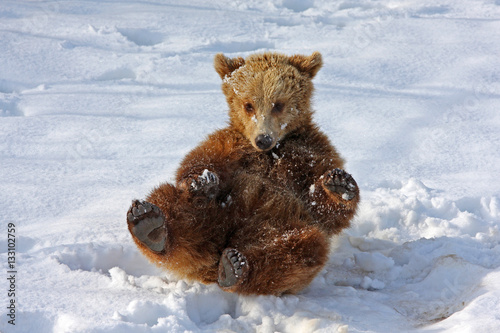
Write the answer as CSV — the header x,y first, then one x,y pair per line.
x,y
268,94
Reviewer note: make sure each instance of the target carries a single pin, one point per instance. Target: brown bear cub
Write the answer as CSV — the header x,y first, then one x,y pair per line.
x,y
254,204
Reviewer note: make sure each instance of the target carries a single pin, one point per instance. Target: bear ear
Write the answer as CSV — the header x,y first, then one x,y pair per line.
x,y
225,66
309,65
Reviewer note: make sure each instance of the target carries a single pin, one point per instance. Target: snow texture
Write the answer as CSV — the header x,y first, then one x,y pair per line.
x,y
100,101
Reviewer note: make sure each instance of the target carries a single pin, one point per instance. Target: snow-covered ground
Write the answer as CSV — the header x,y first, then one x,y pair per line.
x,y
100,100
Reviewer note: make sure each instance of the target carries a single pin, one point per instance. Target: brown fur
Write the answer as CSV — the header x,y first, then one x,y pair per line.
x,y
271,204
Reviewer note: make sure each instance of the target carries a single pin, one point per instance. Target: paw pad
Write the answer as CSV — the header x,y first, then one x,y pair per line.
x,y
341,182
207,178
147,224
206,184
232,268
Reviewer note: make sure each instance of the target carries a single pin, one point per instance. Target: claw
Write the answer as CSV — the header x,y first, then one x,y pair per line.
x,y
135,211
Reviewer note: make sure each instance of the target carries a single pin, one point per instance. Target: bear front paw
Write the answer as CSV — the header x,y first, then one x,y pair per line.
x,y
147,223
233,268
339,181
207,184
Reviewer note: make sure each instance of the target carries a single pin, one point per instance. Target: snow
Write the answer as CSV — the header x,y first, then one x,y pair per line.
x,y
99,102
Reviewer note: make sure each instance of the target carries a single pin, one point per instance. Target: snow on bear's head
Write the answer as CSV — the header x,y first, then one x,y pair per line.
x,y
268,94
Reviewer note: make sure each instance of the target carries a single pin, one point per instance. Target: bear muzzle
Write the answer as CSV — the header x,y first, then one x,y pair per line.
x,y
264,142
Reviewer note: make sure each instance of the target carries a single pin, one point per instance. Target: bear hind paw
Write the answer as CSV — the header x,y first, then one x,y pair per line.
x,y
147,223
233,268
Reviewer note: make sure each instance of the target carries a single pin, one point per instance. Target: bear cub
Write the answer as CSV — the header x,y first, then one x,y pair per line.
x,y
254,205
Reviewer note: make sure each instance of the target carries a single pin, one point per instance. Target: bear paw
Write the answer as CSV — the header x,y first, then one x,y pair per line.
x,y
233,268
147,223
207,184
339,181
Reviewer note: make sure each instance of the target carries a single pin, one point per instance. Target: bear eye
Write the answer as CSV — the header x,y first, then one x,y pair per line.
x,y
249,107
278,107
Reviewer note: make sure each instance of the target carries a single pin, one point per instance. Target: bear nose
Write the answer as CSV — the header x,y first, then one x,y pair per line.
x,y
263,141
